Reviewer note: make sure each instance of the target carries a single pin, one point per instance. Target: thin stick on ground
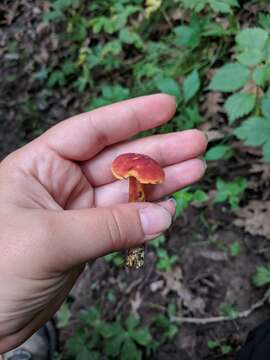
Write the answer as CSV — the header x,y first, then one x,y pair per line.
x,y
215,319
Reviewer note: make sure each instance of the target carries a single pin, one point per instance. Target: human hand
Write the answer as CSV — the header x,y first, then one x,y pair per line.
x,y
61,207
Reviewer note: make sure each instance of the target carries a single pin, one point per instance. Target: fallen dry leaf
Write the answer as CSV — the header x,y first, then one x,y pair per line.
x,y
264,169
194,304
213,104
255,218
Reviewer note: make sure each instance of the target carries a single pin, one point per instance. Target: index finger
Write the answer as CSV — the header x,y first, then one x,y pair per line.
x,y
81,137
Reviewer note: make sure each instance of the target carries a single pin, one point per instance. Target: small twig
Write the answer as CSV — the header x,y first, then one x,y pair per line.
x,y
215,319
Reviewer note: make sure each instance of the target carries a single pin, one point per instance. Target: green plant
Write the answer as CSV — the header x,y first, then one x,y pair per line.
x,y
228,310
223,6
115,258
222,347
165,261
185,197
247,78
235,249
230,191
119,339
163,324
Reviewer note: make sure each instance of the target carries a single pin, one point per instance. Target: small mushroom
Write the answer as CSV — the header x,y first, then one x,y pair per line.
x,y
140,169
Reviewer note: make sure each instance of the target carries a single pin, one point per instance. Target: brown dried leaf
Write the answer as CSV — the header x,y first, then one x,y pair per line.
x,y
264,169
255,218
213,104
174,284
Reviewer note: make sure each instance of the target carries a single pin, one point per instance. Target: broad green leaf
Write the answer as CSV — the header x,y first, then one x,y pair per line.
x,y
188,35
142,336
191,85
63,315
131,322
266,151
229,77
265,106
130,351
213,344
200,196
238,105
114,344
219,152
251,57
254,131
261,75
86,354
220,6
226,349
130,37
230,191
264,21
168,85
252,38
235,248
262,276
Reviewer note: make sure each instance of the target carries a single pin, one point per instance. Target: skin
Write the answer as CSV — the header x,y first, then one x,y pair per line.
x,y
61,207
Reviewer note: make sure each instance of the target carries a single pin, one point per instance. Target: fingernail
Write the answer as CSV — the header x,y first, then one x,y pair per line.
x,y
204,162
155,219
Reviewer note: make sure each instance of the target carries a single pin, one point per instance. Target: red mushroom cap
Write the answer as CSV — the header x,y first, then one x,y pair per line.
x,y
142,167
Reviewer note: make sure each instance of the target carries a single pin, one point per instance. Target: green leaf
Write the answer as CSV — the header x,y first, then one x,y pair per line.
x,y
228,310
219,152
130,351
265,106
86,354
262,276
264,21
130,37
222,6
213,344
238,105
114,344
142,336
226,349
158,241
261,74
251,57
191,85
255,131
63,315
200,196
168,85
189,36
252,38
266,151
235,248
131,322
230,191
183,199
229,77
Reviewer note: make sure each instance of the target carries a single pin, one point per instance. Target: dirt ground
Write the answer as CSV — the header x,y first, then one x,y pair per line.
x,y
208,274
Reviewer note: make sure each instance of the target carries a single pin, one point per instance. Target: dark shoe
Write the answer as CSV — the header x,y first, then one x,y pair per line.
x,y
40,346
257,346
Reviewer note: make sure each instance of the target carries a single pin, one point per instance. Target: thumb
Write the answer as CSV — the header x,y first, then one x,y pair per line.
x,y
89,233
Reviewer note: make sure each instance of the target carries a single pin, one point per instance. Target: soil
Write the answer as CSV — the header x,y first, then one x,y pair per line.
x,y
201,237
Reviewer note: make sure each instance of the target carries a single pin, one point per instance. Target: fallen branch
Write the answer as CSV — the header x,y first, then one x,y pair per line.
x,y
215,319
